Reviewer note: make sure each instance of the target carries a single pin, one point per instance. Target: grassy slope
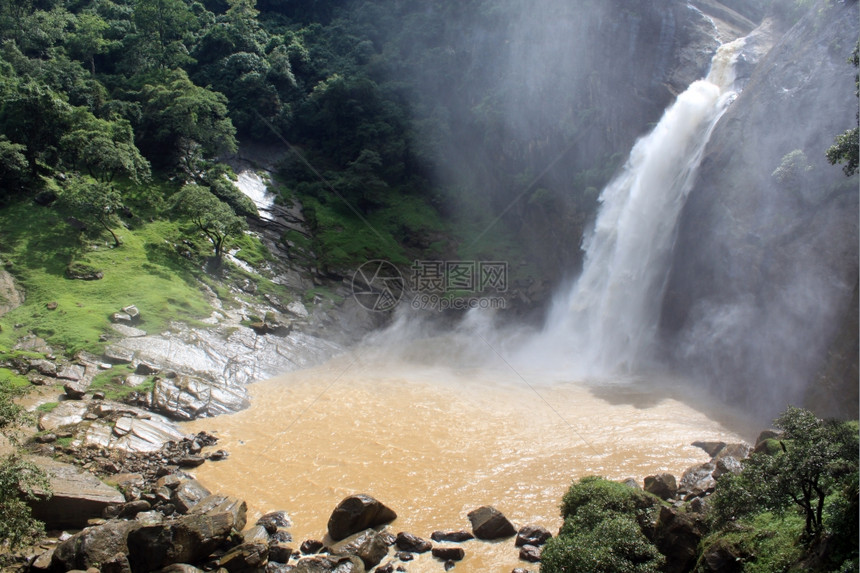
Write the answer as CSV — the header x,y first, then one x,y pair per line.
x,y
37,246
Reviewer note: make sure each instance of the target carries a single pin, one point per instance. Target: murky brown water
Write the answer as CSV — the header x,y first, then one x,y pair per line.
x,y
434,443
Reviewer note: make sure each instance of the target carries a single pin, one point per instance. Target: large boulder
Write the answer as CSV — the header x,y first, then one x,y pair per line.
x,y
489,523
77,495
189,397
663,486
532,535
370,546
93,546
188,494
188,539
412,543
249,557
357,513
215,504
329,564
677,536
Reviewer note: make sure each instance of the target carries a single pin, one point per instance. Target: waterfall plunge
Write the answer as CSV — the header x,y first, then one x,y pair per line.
x,y
606,322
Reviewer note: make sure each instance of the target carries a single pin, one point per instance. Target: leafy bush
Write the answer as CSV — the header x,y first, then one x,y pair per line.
x,y
601,532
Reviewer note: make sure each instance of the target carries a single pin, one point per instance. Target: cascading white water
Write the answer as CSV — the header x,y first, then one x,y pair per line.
x,y
607,321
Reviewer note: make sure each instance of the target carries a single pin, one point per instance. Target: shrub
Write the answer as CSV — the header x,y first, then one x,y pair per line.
x,y
601,532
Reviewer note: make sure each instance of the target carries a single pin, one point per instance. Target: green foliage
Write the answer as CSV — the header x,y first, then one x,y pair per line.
x,y
793,169
104,148
148,271
606,494
847,147
766,542
179,120
791,499
93,202
210,215
111,383
601,532
20,478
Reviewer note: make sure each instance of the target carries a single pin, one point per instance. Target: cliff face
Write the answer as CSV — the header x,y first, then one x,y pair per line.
x,y
766,263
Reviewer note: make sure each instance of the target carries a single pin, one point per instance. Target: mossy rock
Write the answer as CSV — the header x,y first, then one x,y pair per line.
x,y
84,272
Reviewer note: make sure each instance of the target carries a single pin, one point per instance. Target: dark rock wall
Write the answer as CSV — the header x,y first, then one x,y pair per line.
x,y
765,270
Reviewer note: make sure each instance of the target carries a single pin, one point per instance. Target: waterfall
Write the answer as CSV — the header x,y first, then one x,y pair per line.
x,y
606,322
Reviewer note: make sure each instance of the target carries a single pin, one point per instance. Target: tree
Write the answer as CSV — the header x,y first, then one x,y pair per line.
x,y
34,115
813,460
94,202
847,147
211,216
161,25
88,38
178,115
104,147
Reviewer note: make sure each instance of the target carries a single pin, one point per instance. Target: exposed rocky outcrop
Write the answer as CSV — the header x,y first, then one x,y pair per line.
x,y
766,261
77,495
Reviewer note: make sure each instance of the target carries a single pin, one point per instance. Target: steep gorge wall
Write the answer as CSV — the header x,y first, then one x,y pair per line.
x,y
765,270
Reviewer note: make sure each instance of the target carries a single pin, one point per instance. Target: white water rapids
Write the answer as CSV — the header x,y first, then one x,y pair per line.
x,y
437,426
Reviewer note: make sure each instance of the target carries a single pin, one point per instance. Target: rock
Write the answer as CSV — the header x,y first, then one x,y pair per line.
x,y
711,448
75,390
451,536
677,536
42,562
698,480
98,395
631,482
46,438
144,369
256,533
83,272
311,546
139,430
697,505
764,436
217,504
246,558
532,535
180,568
217,455
446,553
332,564
77,495
188,494
120,318
530,553
520,570
369,546
412,543
275,520
52,305
45,367
279,551
132,508
188,539
189,461
127,331
489,523
298,309
722,557
132,311
727,465
118,355
189,397
93,546
662,485
357,513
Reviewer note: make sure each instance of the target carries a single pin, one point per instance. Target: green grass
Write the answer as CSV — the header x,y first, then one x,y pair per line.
x,y
771,543
145,271
12,380
47,407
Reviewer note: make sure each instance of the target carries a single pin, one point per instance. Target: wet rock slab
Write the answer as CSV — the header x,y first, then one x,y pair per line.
x,y
77,495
